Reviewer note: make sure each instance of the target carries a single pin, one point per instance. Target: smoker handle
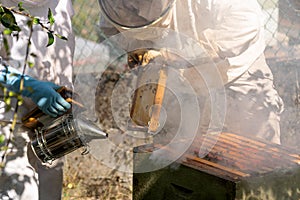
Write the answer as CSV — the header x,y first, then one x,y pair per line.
x,y
30,120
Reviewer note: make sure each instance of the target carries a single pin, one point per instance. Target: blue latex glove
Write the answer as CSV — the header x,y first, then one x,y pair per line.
x,y
41,92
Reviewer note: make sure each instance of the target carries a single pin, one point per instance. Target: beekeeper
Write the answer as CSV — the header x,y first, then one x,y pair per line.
x,y
232,33
23,176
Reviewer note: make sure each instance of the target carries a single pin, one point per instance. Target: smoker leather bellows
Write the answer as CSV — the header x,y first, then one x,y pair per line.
x,y
56,137
236,168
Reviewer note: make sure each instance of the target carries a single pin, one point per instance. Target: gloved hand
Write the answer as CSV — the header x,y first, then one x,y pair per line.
x,y
42,93
141,57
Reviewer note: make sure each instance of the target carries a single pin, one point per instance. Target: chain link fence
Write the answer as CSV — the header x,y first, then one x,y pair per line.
x,y
281,17
282,32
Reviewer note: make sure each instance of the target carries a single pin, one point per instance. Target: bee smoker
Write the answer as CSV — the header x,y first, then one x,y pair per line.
x,y
56,137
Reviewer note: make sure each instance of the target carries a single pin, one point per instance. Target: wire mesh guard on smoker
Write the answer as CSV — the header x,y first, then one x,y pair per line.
x,y
56,137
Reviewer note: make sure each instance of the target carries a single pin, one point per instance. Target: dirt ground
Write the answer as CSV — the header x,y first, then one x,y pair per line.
x,y
88,179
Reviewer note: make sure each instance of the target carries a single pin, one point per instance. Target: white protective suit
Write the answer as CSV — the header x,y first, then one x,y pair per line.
x,y
232,32
24,176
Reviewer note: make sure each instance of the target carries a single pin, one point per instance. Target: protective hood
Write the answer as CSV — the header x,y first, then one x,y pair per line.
x,y
134,13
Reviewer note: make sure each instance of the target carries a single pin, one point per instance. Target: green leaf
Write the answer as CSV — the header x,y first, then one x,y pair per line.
x,y
36,20
30,64
8,108
1,10
50,17
15,28
29,23
4,148
8,20
7,31
2,138
7,100
50,39
20,5
20,100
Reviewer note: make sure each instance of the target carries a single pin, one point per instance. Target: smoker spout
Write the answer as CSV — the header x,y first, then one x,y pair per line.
x,y
89,130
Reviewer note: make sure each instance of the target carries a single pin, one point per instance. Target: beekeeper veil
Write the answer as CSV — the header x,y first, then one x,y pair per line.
x,y
134,13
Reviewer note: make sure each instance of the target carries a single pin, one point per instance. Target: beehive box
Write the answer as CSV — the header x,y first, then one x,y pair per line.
x,y
236,168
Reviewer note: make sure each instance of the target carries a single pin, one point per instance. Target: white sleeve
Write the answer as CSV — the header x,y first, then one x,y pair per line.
x,y
237,35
